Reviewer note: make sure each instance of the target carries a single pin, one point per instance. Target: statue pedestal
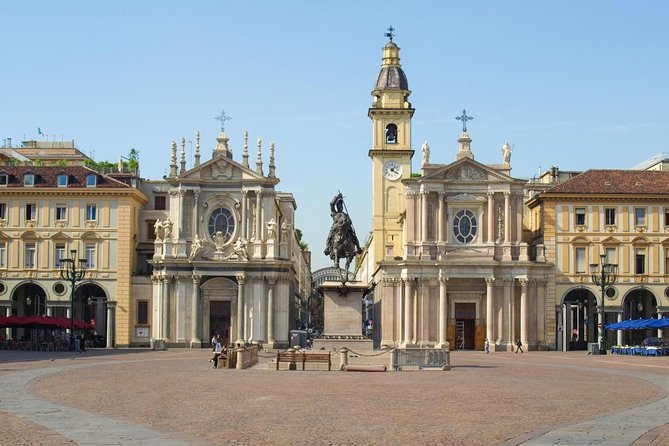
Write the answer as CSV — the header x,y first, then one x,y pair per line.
x,y
342,317
271,250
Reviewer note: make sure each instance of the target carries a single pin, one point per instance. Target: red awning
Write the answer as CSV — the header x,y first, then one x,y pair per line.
x,y
43,322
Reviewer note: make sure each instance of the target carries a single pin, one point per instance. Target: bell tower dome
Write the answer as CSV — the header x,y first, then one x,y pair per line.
x,y
391,152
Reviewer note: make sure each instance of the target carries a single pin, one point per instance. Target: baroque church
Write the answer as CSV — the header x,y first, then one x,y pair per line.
x,y
225,259
448,259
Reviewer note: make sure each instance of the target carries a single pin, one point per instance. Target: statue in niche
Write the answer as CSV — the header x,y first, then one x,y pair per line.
x,y
196,246
506,153
425,150
239,250
271,229
285,227
167,228
158,230
219,241
342,242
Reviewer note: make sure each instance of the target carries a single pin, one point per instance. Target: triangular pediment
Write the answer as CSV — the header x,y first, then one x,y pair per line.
x,y
467,170
221,168
465,197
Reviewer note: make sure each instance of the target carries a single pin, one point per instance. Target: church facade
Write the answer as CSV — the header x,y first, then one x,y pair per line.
x,y
219,240
448,258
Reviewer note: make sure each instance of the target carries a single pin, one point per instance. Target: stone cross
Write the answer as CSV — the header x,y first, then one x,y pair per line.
x,y
464,118
390,34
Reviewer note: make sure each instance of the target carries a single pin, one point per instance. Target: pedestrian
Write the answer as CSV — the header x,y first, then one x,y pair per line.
x,y
487,346
213,342
519,346
218,351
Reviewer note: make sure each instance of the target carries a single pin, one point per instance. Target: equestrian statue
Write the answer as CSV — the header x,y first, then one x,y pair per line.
x,y
342,241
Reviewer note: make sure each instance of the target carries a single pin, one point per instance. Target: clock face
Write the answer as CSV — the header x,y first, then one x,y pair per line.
x,y
392,170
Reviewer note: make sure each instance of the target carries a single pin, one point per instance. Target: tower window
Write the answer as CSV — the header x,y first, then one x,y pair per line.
x,y
391,134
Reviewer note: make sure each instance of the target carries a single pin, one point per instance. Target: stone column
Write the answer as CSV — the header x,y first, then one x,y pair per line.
x,y
489,309
568,316
195,340
240,309
196,213
259,231
270,311
539,298
506,311
619,333
660,332
581,322
443,312
440,220
524,311
411,218
8,331
519,217
244,225
111,323
424,216
491,221
408,312
165,308
507,217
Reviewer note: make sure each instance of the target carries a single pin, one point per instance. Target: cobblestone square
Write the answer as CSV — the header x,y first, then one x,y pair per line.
x,y
175,397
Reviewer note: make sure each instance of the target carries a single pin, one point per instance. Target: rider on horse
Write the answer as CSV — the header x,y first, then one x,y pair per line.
x,y
341,232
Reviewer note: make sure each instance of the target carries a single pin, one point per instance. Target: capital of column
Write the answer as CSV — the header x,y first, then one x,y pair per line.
x,y
196,278
507,193
412,195
245,192
443,280
491,194
490,281
241,279
259,194
270,278
523,281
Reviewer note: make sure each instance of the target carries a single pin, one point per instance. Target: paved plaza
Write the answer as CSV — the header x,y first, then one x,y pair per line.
x,y
174,397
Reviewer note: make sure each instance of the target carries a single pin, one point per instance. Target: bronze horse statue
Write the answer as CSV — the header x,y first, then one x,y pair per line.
x,y
342,241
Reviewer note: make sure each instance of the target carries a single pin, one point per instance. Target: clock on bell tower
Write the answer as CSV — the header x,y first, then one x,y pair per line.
x,y
391,152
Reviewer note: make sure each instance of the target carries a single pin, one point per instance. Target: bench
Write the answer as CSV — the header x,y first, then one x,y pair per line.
x,y
295,357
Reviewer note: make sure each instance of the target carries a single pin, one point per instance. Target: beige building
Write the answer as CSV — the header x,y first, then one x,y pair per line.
x,y
45,212
219,242
622,215
448,257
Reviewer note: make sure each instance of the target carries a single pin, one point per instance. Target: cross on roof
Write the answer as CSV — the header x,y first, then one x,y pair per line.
x,y
222,117
464,118
390,34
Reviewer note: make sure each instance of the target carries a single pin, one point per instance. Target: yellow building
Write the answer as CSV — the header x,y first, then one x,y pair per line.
x,y
45,213
622,215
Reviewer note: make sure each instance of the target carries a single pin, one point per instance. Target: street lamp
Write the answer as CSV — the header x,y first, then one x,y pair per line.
x,y
72,273
603,275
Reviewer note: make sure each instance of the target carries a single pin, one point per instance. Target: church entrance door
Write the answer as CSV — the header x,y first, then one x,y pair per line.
x,y
219,319
465,321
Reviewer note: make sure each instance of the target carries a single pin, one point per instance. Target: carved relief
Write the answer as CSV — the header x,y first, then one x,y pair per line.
x,y
465,172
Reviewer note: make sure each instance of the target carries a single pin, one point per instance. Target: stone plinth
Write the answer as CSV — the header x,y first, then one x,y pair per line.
x,y
342,314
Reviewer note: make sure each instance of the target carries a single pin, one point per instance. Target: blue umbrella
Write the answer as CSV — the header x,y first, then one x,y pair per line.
x,y
658,323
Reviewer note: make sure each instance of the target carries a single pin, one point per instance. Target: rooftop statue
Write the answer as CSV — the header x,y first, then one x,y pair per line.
x,y
342,241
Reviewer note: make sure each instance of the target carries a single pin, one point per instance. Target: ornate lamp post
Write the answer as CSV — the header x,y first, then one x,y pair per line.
x,y
73,274
603,275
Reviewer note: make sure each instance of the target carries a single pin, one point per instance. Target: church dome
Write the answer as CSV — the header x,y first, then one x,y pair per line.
x,y
391,76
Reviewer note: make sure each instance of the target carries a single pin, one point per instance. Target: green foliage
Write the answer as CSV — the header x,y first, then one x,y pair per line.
x,y
415,175
129,165
304,246
61,163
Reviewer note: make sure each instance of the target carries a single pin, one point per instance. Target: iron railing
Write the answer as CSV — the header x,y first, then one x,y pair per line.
x,y
422,358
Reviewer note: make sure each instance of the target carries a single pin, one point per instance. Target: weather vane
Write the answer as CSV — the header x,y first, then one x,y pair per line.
x,y
223,117
464,118
390,34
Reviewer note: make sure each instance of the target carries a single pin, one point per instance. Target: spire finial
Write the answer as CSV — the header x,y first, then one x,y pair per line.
x,y
271,161
390,34
223,117
245,155
183,156
259,157
197,148
173,160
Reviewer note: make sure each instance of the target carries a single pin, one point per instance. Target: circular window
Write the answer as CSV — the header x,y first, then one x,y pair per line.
x,y
611,293
3,288
59,288
221,220
666,293
464,226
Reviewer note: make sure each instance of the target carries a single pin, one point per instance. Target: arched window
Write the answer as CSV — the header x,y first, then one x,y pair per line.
x,y
391,134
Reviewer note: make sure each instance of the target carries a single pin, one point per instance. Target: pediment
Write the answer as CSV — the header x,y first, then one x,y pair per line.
x,y
610,241
60,236
221,168
467,170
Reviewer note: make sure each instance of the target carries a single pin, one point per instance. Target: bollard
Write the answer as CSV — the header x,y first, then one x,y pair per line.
x,y
292,365
240,358
343,358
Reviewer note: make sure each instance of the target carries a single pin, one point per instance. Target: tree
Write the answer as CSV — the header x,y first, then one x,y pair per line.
x,y
304,246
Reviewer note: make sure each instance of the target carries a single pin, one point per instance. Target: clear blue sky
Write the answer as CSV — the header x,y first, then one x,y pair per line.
x,y
573,84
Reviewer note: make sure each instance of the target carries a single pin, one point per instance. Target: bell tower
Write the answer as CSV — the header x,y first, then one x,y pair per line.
x,y
391,152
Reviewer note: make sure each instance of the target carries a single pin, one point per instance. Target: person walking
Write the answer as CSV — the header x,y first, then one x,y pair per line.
x,y
519,346
486,346
218,351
